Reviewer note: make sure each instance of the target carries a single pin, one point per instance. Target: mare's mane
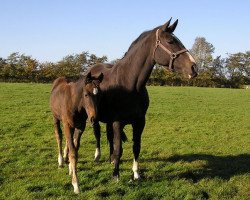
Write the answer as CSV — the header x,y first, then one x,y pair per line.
x,y
136,41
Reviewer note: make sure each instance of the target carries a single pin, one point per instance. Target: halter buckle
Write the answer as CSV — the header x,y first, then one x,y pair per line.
x,y
173,55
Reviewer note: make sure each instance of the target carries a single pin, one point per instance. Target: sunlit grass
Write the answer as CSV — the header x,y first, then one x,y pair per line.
x,y
196,145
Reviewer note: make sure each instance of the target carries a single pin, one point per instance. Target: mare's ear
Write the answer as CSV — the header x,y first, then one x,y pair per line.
x,y
166,25
88,78
172,27
100,77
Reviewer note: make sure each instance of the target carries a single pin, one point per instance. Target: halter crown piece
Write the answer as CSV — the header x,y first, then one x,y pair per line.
x,y
173,55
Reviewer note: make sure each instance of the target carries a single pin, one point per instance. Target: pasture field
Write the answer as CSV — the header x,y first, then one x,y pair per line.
x,y
196,145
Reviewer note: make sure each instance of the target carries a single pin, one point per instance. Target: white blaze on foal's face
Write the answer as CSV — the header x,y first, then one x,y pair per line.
x,y
95,91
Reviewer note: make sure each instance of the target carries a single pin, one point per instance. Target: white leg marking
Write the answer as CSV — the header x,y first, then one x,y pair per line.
x,y
135,170
76,188
70,169
65,153
97,154
60,160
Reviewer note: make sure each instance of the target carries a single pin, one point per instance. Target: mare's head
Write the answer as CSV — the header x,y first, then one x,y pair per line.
x,y
170,52
91,96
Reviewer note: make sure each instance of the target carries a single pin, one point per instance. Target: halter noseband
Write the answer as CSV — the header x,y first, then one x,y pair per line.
x,y
173,56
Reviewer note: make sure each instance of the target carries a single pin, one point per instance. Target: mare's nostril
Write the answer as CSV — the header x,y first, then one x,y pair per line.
x,y
92,120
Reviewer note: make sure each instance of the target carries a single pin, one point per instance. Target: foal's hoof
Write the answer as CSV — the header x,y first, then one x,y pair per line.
x,y
76,190
66,160
60,166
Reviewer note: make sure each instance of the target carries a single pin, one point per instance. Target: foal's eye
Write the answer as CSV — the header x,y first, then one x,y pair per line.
x,y
86,95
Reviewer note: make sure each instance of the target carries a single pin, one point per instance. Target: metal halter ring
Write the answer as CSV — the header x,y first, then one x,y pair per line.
x,y
173,55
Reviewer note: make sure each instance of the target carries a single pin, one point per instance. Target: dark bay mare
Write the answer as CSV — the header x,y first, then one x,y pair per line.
x,y
72,103
124,95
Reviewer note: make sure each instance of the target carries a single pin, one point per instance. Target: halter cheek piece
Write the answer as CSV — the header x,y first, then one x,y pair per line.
x,y
173,56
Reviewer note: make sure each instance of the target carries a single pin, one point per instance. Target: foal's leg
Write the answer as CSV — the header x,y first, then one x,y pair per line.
x,y
58,134
138,127
72,155
66,153
97,132
77,135
117,128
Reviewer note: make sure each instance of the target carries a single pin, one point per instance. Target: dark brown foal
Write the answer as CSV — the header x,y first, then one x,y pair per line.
x,y
72,103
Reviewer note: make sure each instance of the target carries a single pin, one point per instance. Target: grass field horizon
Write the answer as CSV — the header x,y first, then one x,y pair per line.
x,y
195,145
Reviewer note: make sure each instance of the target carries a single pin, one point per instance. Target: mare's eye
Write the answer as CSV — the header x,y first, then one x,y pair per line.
x,y
86,95
170,41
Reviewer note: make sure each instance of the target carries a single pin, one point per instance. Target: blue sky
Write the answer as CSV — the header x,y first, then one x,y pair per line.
x,y
48,30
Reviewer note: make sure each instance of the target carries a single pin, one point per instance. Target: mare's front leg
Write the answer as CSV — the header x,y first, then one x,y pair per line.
x,y
138,127
97,132
117,145
73,156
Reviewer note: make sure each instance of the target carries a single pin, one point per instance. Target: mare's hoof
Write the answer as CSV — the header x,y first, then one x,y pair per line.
x,y
97,159
116,178
97,155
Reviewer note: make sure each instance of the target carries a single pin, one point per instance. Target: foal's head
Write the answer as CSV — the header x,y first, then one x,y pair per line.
x,y
91,96
170,52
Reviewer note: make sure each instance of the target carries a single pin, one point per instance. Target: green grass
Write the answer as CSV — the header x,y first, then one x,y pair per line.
x,y
196,145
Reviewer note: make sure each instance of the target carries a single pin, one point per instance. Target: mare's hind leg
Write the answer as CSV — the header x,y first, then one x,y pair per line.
x,y
110,136
138,127
58,134
97,132
117,146
69,132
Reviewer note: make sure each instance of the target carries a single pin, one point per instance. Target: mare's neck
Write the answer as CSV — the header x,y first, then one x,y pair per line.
x,y
133,71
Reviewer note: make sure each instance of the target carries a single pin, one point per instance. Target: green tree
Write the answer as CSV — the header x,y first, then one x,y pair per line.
x,y
202,52
238,68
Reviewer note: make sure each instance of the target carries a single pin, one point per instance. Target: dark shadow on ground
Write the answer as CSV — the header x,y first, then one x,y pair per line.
x,y
223,167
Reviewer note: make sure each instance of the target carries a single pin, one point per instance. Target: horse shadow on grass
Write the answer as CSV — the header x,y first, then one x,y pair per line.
x,y
223,167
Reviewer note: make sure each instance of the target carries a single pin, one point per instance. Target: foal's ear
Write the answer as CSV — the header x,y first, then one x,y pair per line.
x,y
100,77
172,27
166,25
88,78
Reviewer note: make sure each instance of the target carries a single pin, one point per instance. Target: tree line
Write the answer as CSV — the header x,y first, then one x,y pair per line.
x,y
232,71
22,68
